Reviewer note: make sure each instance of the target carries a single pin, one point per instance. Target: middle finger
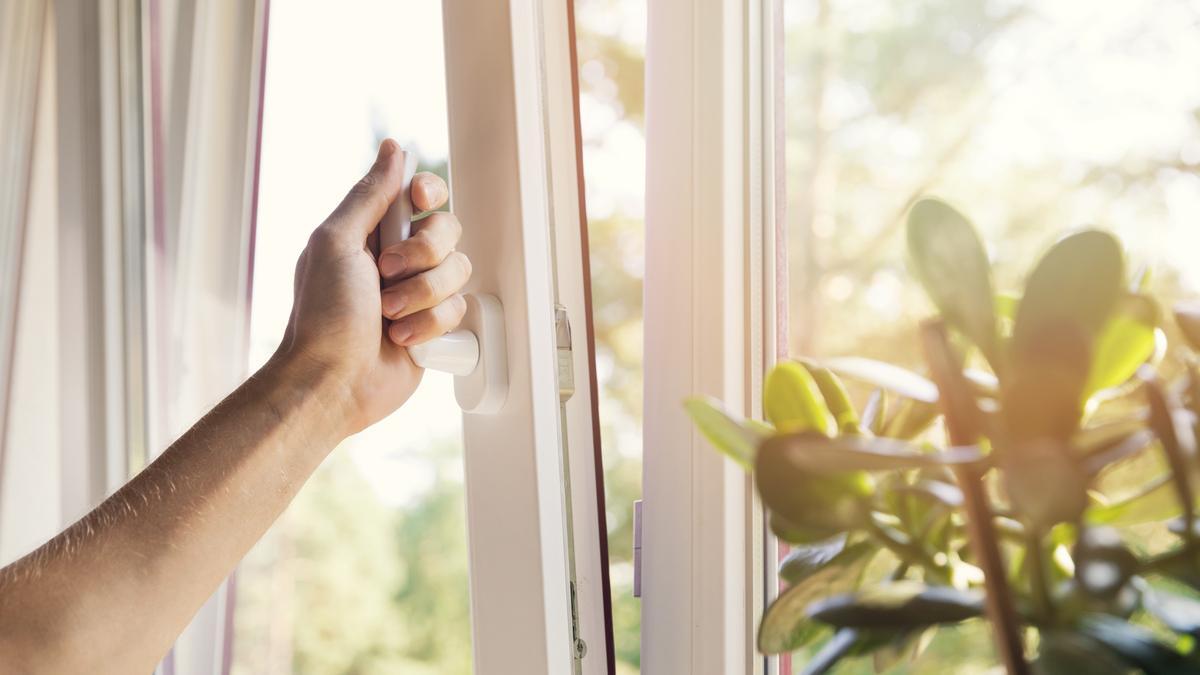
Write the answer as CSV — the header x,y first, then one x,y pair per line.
x,y
427,288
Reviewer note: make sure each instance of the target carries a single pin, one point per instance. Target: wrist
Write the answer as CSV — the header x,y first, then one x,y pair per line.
x,y
323,398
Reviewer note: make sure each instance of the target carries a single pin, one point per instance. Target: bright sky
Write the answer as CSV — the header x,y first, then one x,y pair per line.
x,y
338,72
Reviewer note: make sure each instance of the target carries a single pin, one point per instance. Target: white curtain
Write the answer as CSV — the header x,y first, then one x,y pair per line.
x,y
27,470
137,194
206,97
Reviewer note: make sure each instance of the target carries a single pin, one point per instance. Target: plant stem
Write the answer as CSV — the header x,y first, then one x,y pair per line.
x,y
955,397
1039,582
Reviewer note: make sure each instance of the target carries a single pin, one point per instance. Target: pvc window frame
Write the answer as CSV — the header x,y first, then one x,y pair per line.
x,y
714,325
515,174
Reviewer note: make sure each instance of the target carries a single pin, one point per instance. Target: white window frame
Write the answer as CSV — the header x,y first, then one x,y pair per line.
x,y
514,172
711,326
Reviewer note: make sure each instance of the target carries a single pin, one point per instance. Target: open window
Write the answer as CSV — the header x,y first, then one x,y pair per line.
x,y
173,132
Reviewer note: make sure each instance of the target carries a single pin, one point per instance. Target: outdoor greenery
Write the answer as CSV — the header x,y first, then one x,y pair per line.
x,y
998,486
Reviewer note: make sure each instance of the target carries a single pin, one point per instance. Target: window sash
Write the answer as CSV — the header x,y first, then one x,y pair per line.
x,y
514,175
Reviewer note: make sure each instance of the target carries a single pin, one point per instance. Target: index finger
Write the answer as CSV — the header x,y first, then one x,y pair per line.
x,y
429,191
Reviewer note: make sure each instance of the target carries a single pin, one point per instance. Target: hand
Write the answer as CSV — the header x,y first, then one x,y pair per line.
x,y
348,332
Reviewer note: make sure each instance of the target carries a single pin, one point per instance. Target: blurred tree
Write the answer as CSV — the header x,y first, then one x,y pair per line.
x,y
348,585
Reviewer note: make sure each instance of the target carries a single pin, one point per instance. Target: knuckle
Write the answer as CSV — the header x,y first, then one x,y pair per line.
x,y
464,264
429,288
454,225
424,250
449,222
323,239
365,184
450,313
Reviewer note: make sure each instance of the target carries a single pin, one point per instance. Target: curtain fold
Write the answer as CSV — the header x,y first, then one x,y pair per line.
x,y
22,28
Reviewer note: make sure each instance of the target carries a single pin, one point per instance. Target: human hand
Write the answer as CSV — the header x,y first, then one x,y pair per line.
x,y
345,330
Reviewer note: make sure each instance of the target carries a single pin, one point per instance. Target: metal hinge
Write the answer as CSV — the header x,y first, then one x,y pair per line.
x,y
579,646
566,389
637,549
566,361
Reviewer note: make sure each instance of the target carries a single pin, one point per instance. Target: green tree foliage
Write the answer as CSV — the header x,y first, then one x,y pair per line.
x,y
348,584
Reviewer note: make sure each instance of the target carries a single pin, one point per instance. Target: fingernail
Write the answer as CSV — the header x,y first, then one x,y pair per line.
x,y
393,304
391,265
400,333
386,148
433,189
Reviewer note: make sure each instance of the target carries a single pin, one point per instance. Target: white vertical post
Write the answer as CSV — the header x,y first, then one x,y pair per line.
x,y
515,517
709,299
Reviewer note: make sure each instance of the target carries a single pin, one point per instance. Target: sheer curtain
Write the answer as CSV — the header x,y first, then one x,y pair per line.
x,y
22,24
124,310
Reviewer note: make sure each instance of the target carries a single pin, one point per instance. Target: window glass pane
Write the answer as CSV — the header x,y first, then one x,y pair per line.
x,y
367,570
1031,117
611,38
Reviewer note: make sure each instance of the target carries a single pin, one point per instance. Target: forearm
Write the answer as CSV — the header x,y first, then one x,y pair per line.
x,y
112,592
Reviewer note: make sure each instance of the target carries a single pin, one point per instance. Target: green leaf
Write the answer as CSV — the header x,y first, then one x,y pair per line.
x,y
836,398
1187,317
737,438
792,400
1178,612
1136,646
1181,567
1126,342
838,647
948,258
1156,501
1065,653
1105,444
815,454
911,418
1078,281
1043,393
1118,450
1069,296
875,412
802,535
807,499
1044,481
885,376
802,561
899,604
785,626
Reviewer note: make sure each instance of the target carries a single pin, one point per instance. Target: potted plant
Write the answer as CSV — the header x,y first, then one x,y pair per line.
x,y
1002,485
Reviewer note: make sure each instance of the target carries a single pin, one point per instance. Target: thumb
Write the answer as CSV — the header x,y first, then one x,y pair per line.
x,y
363,207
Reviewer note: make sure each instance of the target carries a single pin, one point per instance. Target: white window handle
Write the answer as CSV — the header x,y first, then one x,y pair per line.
x,y
476,353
